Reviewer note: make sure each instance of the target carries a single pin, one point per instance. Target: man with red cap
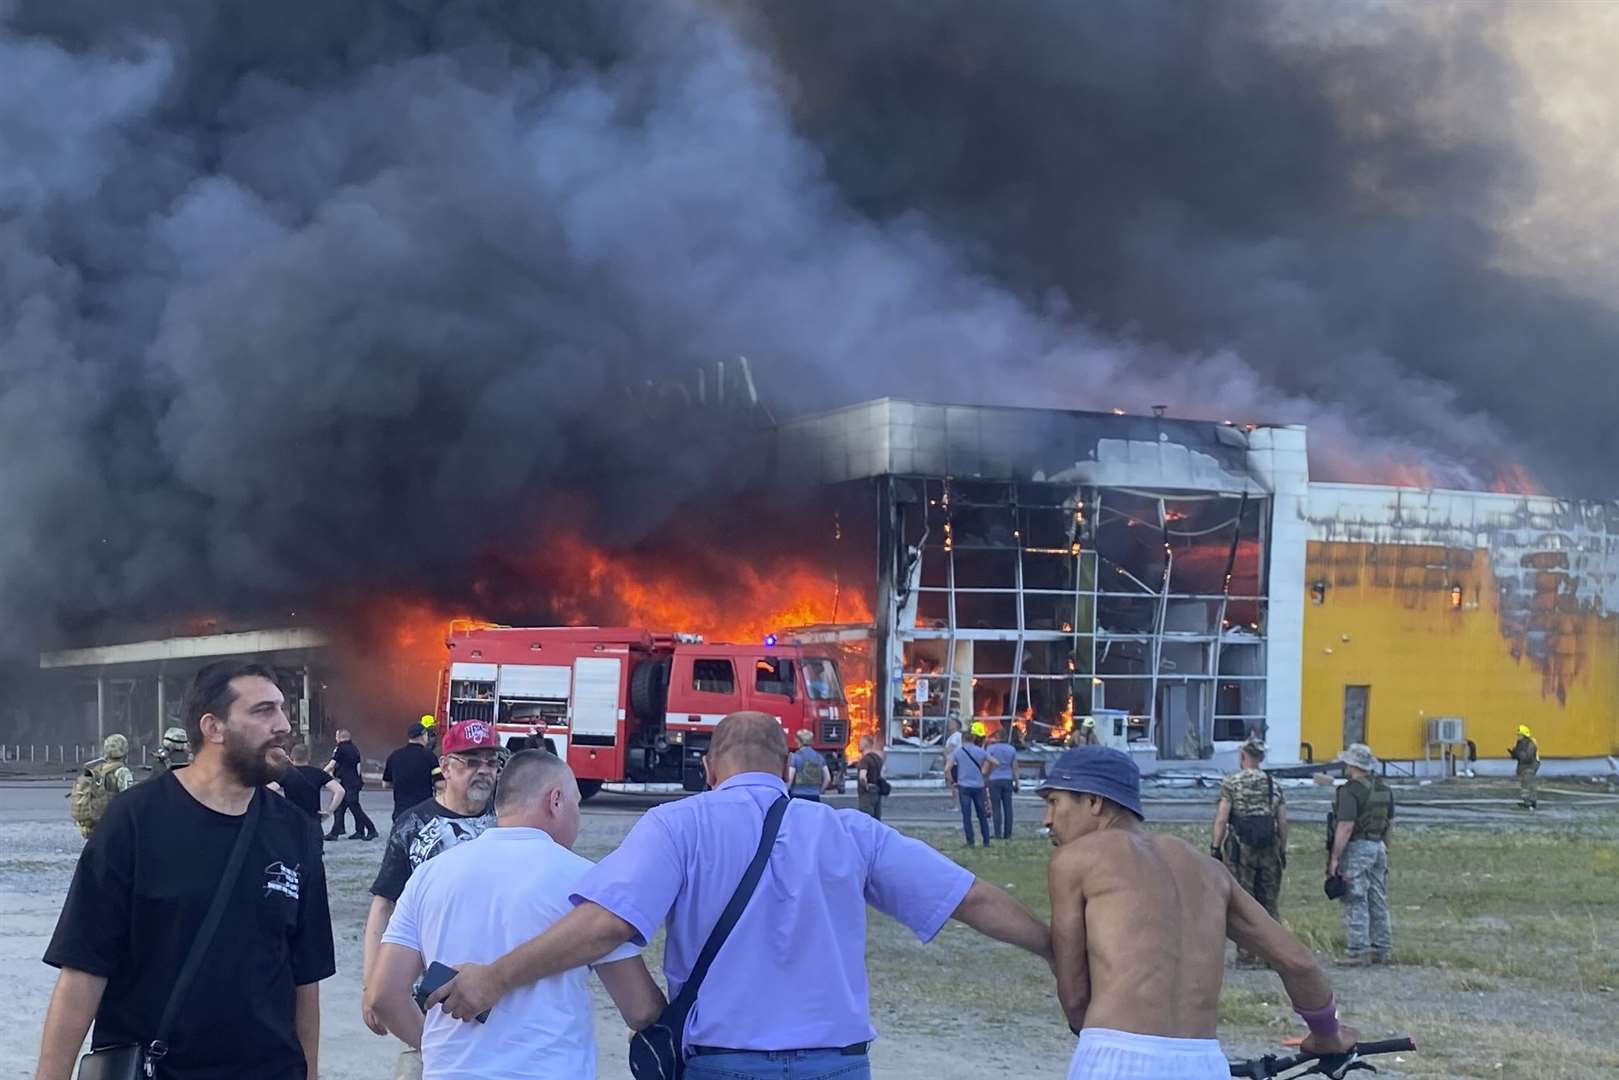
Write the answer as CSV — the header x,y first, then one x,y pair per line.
x,y
1138,928
470,763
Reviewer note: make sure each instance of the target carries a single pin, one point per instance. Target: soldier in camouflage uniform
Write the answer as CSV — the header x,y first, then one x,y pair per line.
x,y
100,780
1250,831
175,751
1362,816
1526,752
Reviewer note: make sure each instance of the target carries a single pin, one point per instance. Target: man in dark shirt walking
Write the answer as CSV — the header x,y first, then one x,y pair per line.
x,y
409,771
345,766
146,880
303,784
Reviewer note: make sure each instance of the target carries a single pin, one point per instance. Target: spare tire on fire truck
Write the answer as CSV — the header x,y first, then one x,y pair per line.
x,y
649,690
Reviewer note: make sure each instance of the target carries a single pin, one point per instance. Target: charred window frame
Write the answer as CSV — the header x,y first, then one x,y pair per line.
x,y
1037,602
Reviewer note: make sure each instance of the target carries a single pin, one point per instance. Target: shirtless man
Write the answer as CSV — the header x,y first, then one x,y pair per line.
x,y
1138,928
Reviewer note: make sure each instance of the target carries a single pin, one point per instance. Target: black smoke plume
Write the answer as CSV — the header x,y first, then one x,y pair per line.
x,y
312,297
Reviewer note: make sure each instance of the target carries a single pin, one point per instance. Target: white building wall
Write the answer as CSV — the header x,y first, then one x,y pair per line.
x,y
1279,458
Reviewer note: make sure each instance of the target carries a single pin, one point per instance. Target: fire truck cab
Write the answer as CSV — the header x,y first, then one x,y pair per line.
x,y
622,704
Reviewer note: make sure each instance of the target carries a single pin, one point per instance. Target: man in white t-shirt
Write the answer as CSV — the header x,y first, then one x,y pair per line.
x,y
479,900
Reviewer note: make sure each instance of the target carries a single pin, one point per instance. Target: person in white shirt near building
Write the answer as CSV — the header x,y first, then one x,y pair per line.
x,y
478,901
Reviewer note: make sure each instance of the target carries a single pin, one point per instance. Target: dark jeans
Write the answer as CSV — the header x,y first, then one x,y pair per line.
x,y
972,799
363,825
1000,807
785,1065
806,794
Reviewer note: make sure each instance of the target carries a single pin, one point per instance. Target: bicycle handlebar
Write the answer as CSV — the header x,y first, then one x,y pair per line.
x,y
1270,1065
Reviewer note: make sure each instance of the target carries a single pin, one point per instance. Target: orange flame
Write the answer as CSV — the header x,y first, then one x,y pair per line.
x,y
591,585
394,646
1512,479
862,721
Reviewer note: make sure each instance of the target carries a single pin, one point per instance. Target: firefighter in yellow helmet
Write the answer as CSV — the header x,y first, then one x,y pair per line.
x,y
1526,752
429,724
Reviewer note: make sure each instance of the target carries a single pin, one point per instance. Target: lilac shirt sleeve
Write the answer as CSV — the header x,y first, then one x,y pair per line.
x,y
639,880
910,881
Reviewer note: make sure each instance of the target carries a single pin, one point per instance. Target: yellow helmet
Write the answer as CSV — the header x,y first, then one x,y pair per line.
x,y
978,728
1523,729
428,720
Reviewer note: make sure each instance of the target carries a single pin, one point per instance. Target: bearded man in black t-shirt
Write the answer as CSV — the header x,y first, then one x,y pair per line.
x,y
144,884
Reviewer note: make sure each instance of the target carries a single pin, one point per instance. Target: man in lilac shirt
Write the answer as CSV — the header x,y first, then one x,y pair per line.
x,y
801,937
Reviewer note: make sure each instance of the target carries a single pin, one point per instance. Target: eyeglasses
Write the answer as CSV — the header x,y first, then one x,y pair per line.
x,y
475,764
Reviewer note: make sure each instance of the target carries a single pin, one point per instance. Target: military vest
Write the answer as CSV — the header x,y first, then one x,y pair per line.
x,y
1376,802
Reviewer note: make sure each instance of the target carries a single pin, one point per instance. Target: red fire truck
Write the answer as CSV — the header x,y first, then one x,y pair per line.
x,y
623,704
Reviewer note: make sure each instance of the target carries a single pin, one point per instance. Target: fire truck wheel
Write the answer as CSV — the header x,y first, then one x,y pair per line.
x,y
649,690
587,788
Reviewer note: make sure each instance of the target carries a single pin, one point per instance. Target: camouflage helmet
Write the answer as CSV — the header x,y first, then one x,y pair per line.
x,y
175,738
115,747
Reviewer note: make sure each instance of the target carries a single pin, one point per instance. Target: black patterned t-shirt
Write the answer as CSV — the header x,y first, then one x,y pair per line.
x,y
419,834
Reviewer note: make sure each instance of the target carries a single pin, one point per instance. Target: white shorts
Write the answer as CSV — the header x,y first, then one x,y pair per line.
x,y
1103,1054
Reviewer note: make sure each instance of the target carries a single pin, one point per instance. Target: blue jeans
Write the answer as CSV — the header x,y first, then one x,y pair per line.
x,y
782,1065
1000,807
972,798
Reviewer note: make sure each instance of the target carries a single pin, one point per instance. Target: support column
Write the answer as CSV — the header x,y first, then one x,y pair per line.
x,y
884,658
162,710
101,708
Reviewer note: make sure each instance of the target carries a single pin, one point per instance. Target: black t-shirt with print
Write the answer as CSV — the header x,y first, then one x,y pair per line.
x,y
347,758
142,888
303,785
419,834
410,770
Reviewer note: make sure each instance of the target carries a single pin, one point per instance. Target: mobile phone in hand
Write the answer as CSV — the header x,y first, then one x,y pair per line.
x,y
435,976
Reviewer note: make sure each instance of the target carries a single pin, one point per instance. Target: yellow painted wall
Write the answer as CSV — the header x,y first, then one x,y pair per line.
x,y
1388,621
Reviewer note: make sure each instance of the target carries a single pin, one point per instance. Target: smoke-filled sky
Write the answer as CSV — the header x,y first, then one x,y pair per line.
x,y
309,297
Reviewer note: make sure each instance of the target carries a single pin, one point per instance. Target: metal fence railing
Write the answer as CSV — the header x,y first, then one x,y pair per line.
x,y
63,754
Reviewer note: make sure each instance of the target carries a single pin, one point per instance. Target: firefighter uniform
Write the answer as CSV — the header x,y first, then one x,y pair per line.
x,y
1526,752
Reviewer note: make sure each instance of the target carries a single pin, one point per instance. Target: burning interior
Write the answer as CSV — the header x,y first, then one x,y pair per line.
x,y
1035,567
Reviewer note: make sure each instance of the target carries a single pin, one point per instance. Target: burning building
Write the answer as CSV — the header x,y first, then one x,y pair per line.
x,y
1037,565
1186,584
1182,582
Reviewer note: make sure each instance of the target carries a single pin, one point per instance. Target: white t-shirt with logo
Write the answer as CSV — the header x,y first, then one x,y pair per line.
x,y
476,902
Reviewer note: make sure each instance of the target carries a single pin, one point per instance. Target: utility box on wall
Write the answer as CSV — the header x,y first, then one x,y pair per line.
x,y
1446,729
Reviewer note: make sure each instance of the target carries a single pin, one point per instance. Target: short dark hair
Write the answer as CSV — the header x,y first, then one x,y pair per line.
x,y
415,731
526,775
211,692
299,754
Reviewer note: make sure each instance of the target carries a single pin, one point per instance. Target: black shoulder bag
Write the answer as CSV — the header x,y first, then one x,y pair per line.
x,y
657,1052
137,1061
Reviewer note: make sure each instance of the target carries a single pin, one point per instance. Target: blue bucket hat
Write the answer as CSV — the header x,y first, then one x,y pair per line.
x,y
1097,770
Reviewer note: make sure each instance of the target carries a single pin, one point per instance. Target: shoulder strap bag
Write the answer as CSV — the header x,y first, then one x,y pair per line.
x,y
658,1052
140,1061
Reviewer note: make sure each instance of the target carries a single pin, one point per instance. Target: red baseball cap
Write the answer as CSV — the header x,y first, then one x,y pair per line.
x,y
470,735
